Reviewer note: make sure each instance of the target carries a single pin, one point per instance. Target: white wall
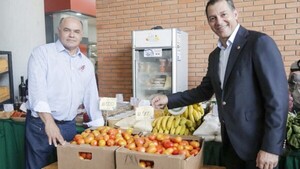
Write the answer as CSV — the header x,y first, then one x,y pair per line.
x,y
22,27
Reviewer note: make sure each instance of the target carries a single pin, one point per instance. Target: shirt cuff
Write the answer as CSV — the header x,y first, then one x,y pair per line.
x,y
42,107
95,123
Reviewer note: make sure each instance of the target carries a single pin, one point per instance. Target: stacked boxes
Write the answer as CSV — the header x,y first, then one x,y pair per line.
x,y
122,158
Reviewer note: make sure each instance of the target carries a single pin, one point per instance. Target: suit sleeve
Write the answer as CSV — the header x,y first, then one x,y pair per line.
x,y
202,92
269,68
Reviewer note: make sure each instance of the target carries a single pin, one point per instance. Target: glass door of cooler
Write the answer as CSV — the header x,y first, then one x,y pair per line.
x,y
152,72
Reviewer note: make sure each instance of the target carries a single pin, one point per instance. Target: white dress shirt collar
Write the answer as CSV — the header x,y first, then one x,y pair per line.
x,y
60,47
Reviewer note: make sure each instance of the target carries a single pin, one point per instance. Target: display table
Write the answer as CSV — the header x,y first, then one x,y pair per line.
x,y
12,144
12,149
54,166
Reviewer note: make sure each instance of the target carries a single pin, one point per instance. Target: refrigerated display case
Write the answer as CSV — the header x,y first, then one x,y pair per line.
x,y
160,62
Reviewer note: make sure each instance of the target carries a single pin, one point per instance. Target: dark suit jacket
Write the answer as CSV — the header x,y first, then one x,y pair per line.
x,y
253,104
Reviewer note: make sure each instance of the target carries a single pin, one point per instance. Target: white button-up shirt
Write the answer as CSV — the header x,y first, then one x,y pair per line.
x,y
58,83
224,54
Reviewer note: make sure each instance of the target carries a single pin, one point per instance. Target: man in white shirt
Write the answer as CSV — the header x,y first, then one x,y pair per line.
x,y
60,79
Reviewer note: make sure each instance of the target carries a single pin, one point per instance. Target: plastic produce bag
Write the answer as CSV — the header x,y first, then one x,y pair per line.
x,y
131,122
126,122
211,127
143,125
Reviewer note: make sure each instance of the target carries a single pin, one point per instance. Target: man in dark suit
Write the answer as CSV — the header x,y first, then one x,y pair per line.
x,y
247,76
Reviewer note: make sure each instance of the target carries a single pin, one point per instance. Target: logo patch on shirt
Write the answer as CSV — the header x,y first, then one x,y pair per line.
x,y
82,68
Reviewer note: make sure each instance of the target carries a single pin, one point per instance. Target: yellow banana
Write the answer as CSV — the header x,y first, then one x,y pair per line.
x,y
201,109
198,123
154,122
186,132
192,129
172,131
178,129
185,113
165,111
189,123
154,130
196,115
170,122
172,126
182,130
158,123
191,117
196,106
166,131
160,130
177,120
164,122
182,121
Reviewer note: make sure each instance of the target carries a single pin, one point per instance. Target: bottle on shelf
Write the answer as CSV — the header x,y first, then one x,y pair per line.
x,y
17,104
26,91
22,90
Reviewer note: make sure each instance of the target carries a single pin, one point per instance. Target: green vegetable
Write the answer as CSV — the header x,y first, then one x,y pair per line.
x,y
293,130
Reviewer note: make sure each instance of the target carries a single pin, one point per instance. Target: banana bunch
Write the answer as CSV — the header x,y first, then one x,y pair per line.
x,y
184,124
174,125
194,113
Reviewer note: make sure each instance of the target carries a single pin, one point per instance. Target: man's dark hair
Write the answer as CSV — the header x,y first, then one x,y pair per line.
x,y
212,2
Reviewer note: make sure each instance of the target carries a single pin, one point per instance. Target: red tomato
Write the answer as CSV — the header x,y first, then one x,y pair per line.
x,y
122,142
142,164
89,156
131,146
141,149
176,139
152,137
101,143
168,144
110,142
94,143
80,141
77,136
139,141
151,149
195,144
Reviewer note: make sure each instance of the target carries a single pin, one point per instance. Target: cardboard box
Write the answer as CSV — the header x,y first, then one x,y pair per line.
x,y
51,166
4,93
212,167
3,65
128,159
102,157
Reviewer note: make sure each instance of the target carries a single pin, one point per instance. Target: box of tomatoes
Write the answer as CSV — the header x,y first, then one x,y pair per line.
x,y
93,148
85,156
157,151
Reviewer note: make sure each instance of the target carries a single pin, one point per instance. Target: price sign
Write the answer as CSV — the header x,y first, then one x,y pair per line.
x,y
107,103
144,112
157,52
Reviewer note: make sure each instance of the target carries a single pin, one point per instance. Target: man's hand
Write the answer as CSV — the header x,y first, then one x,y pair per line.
x,y
266,160
159,101
51,129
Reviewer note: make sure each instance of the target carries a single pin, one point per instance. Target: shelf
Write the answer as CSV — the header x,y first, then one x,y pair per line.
x,y
6,78
157,88
4,72
154,73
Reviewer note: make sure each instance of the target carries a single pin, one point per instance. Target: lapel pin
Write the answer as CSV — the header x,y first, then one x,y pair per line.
x,y
238,47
